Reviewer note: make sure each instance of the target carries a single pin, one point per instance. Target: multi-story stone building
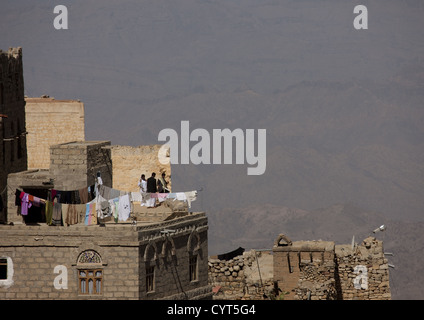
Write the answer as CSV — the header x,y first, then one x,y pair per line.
x,y
153,253
13,152
156,253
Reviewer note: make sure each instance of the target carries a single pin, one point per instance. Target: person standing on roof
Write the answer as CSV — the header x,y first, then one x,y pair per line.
x,y
151,188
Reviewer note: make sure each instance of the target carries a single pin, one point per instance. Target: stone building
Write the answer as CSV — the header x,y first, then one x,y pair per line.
x,y
321,270
158,253
13,151
304,270
154,253
65,119
146,260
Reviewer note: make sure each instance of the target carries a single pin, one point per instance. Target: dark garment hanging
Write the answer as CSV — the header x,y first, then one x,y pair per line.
x,y
65,196
17,197
91,193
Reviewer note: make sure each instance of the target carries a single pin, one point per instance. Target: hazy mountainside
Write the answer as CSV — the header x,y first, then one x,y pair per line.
x,y
256,227
327,143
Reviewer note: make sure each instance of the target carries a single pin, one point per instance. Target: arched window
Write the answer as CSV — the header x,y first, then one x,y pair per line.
x,y
90,273
193,248
150,257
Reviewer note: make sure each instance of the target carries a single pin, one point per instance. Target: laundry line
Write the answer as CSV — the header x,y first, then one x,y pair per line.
x,y
63,208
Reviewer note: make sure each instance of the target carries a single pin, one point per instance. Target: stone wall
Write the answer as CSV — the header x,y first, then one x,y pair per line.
x,y
302,268
35,182
305,270
129,163
35,252
74,165
322,271
51,122
364,271
13,153
39,257
316,281
244,277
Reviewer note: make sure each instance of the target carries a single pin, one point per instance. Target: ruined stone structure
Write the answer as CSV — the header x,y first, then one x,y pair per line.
x,y
304,270
245,277
363,272
13,152
65,119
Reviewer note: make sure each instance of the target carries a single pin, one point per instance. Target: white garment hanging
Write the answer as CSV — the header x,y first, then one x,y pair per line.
x,y
124,207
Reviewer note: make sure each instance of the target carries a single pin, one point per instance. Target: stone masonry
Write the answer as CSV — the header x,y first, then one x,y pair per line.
x,y
363,271
304,270
74,165
129,163
45,262
65,119
13,151
244,277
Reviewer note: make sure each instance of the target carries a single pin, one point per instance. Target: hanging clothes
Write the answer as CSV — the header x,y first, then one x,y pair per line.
x,y
18,197
36,201
190,196
181,196
102,207
83,195
87,220
90,213
124,208
57,214
48,211
25,203
65,210
114,206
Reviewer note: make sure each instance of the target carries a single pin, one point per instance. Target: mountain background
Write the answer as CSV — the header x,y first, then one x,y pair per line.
x,y
343,108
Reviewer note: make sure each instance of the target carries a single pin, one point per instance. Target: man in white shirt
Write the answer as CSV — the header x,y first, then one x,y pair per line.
x,y
143,184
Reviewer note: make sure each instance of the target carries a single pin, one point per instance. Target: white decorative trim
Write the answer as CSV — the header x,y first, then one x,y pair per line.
x,y
7,283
